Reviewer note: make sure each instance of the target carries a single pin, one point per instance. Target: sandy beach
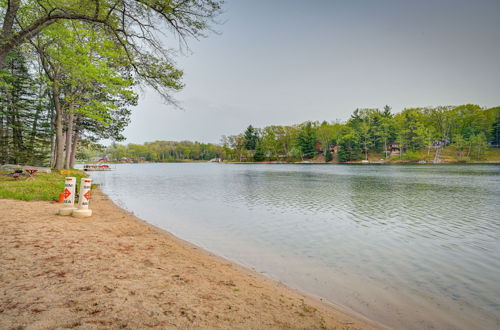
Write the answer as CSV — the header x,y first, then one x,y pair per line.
x,y
114,270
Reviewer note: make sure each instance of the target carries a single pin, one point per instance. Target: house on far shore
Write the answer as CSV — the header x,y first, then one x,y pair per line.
x,y
125,160
393,148
318,147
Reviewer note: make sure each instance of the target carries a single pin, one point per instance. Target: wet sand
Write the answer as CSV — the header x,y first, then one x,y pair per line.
x,y
113,270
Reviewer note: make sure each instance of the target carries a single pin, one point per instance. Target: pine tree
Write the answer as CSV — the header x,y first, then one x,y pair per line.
x,y
306,141
19,115
250,138
259,153
328,156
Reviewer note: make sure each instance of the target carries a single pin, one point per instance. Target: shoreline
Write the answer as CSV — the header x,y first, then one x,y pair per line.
x,y
115,270
319,163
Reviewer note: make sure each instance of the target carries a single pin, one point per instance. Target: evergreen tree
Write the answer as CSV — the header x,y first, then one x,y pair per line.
x,y
24,130
349,147
259,153
328,156
250,138
306,141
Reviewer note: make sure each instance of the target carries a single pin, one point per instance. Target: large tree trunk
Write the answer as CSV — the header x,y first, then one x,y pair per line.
x,y
58,127
6,32
3,140
69,139
34,131
53,148
17,135
75,145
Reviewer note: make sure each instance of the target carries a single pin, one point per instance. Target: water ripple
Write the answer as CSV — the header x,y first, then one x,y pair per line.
x,y
423,235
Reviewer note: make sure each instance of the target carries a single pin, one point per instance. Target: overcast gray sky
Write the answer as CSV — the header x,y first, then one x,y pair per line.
x,y
286,61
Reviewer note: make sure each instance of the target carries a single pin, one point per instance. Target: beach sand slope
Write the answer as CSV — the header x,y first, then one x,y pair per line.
x,y
115,271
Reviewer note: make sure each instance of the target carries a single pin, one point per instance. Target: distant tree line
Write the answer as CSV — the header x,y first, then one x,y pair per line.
x,y
162,151
468,130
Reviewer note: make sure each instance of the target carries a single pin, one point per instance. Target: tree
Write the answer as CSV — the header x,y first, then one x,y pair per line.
x,y
348,145
286,138
469,120
129,23
478,145
328,156
409,129
325,134
306,140
460,145
493,120
24,118
387,112
365,134
86,80
385,131
250,138
259,153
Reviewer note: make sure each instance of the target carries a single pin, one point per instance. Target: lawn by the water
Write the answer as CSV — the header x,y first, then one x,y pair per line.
x,y
45,186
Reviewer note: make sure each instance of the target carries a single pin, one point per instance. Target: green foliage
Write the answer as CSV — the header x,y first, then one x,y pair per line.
x,y
92,56
165,151
25,115
494,118
259,153
411,155
417,131
328,156
349,147
306,141
250,138
479,144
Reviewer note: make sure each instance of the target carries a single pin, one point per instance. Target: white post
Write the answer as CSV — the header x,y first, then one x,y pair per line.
x,y
69,196
84,199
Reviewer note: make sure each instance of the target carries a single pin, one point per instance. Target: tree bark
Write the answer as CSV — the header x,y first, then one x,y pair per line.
x,y
53,148
69,139
74,147
3,140
6,32
58,127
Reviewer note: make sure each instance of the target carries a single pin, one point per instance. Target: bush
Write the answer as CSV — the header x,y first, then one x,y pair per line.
x,y
411,155
258,156
328,156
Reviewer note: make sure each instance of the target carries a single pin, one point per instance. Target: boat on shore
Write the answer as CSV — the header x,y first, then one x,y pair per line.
x,y
96,167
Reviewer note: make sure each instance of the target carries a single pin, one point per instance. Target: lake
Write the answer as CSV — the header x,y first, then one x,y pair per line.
x,y
408,246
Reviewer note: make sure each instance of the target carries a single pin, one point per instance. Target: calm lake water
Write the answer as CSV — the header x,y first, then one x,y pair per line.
x,y
408,246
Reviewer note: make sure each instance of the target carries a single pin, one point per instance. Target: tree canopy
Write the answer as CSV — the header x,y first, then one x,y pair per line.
x,y
80,62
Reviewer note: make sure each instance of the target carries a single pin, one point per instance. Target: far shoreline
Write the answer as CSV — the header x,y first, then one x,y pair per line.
x,y
305,163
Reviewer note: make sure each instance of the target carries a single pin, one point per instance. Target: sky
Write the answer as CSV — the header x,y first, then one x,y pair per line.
x,y
283,62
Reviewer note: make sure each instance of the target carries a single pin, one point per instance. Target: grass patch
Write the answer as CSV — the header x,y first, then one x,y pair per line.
x,y
45,186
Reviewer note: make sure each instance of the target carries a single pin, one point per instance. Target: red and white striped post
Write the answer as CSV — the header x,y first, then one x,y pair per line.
x,y
83,210
69,196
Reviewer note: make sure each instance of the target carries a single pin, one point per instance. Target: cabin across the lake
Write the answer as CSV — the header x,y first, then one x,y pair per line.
x,y
393,148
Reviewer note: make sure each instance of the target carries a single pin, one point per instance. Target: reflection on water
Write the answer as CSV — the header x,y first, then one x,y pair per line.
x,y
409,246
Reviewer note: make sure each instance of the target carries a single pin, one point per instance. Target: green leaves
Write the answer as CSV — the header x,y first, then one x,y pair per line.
x,y
371,131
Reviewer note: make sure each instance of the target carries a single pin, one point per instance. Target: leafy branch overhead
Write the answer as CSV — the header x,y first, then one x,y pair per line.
x,y
137,26
81,61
